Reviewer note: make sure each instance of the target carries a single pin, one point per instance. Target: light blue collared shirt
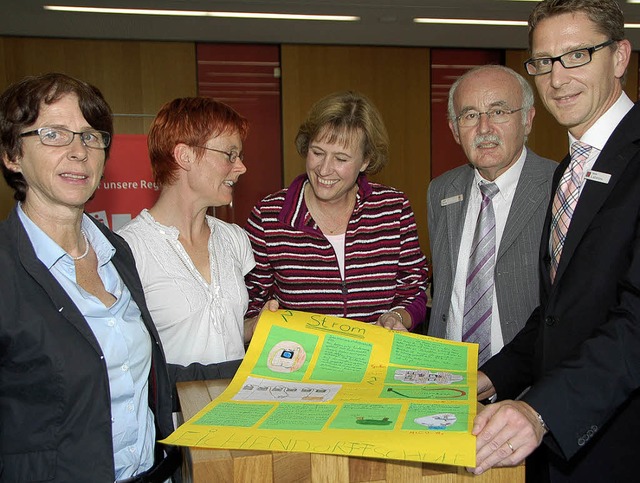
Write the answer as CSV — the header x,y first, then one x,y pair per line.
x,y
123,338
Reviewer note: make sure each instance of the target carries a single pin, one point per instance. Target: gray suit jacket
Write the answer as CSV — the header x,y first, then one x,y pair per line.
x,y
516,271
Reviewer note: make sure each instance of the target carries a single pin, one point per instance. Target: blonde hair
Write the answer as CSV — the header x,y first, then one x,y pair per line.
x,y
339,117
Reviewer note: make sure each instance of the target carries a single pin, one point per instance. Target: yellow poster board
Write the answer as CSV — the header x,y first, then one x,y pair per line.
x,y
318,384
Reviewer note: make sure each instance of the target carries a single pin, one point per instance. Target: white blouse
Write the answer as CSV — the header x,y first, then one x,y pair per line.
x,y
197,321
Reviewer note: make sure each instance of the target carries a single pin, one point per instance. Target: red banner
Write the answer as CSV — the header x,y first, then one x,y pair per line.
x,y
127,186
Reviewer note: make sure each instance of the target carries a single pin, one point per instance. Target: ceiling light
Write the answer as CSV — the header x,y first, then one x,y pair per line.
x,y
470,21
510,23
201,13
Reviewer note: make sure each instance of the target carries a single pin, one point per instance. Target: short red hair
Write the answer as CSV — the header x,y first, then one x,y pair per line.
x,y
192,121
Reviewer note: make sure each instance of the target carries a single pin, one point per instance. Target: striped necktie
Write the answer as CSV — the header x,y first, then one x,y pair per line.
x,y
478,298
564,202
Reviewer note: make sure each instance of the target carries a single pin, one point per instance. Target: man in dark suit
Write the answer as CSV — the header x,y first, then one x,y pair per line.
x,y
490,115
580,350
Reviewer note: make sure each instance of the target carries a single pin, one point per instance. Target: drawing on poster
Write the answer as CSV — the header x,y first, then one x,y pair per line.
x,y
426,377
255,389
437,421
286,356
321,384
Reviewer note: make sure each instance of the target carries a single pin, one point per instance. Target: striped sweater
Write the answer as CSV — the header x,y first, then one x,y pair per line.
x,y
295,264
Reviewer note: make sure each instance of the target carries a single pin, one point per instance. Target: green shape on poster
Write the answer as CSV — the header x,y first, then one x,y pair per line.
x,y
423,352
235,414
403,375
372,417
432,393
436,417
299,416
282,347
342,360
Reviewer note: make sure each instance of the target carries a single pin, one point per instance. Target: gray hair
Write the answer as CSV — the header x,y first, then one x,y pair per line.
x,y
526,90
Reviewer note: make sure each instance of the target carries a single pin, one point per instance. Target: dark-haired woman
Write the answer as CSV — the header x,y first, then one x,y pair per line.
x,y
84,388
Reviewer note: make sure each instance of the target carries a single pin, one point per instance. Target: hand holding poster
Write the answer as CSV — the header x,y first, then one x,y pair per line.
x,y
319,384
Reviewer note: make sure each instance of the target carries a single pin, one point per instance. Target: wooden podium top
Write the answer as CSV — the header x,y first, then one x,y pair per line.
x,y
239,466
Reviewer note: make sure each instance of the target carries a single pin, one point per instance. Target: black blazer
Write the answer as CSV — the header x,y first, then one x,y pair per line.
x,y
55,409
580,349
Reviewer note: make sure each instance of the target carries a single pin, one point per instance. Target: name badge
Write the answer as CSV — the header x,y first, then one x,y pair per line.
x,y
451,200
598,176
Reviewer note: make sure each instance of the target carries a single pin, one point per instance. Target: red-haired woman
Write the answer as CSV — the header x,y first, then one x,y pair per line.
x,y
192,265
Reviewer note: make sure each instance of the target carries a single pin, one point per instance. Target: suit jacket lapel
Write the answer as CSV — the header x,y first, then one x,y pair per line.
x,y
60,298
455,212
526,200
49,284
545,256
612,160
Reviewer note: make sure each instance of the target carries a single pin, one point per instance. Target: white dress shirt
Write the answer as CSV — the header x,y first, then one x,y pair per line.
x,y
598,135
197,321
507,183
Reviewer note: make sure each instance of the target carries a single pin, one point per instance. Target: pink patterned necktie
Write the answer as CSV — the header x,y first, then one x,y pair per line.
x,y
478,297
565,201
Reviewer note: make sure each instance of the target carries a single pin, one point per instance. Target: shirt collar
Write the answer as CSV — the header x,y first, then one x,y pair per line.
x,y
99,242
598,134
294,211
508,180
49,252
171,232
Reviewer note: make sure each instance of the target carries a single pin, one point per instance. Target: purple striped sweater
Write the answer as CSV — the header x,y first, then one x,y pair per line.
x,y
384,266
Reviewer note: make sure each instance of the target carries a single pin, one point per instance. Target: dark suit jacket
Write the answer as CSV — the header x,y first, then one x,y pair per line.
x,y
55,405
516,270
581,348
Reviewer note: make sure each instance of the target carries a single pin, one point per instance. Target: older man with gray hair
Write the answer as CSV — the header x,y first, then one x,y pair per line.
x,y
486,217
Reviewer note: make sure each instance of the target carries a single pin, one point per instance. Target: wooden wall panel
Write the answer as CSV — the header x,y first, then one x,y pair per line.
x,y
395,79
447,65
548,138
247,77
136,78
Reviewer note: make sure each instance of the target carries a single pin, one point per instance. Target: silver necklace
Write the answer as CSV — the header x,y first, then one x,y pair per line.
x,y
321,218
86,250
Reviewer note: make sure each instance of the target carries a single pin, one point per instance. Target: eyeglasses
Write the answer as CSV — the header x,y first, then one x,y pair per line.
x,y
232,155
569,60
497,115
59,136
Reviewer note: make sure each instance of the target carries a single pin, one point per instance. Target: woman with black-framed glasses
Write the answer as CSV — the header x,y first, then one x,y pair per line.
x,y
84,387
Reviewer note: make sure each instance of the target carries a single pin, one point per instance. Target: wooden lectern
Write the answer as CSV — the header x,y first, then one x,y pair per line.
x,y
237,466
